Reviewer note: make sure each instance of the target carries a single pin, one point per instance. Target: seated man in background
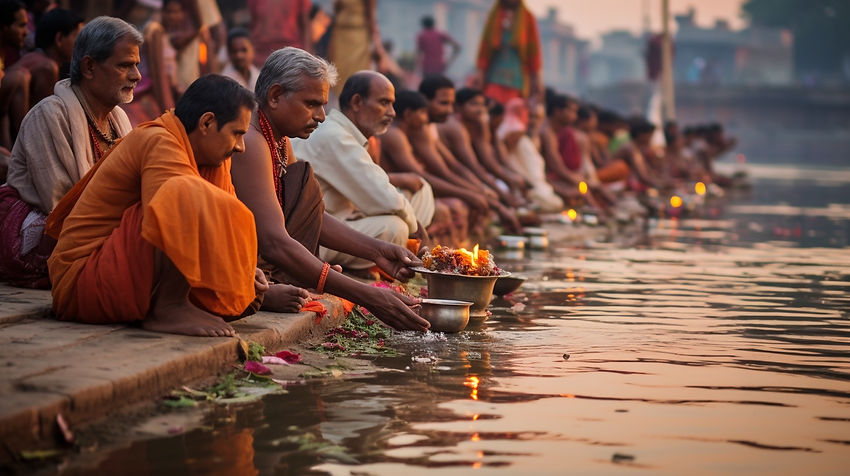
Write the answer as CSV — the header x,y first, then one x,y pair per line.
x,y
517,131
154,232
286,200
634,154
354,188
241,67
470,108
439,92
61,138
412,116
33,76
560,111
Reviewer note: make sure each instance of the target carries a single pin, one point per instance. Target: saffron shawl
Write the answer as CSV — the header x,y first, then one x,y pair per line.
x,y
525,38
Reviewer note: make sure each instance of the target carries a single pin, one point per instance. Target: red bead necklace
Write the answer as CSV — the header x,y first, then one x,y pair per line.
x,y
98,152
278,153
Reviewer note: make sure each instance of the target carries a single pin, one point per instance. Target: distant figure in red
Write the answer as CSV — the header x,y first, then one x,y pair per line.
x,y
509,57
430,47
279,23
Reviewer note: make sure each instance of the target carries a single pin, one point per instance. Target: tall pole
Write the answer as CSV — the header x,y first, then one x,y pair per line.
x,y
668,95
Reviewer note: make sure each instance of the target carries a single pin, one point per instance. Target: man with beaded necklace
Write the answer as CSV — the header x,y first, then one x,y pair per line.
x,y
60,140
285,198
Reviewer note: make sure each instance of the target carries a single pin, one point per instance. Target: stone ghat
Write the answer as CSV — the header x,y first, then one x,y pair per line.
x,y
84,372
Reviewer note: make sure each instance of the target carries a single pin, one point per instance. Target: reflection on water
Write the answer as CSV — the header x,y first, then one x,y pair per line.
x,y
716,347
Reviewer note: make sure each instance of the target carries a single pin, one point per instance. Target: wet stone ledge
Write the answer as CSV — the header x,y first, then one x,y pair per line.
x,y
84,372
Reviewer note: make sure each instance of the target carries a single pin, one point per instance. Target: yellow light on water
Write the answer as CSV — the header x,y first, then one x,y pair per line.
x,y
582,187
572,214
472,382
699,188
675,201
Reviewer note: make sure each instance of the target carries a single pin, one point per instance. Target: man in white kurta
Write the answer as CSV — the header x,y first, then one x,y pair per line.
x,y
356,189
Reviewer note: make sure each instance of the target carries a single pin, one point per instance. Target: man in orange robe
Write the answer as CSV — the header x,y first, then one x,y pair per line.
x,y
154,232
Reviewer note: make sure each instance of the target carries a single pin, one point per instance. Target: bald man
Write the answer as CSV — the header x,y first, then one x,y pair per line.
x,y
356,189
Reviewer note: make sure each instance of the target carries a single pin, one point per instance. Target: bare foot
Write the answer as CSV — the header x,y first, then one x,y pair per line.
x,y
185,318
284,298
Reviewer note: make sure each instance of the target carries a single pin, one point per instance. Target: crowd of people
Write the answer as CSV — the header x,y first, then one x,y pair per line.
x,y
141,188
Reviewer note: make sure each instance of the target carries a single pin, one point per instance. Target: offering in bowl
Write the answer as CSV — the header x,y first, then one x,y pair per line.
x,y
461,275
445,315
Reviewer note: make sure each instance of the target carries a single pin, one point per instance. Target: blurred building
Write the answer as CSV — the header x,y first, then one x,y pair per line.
x,y
719,55
619,60
564,55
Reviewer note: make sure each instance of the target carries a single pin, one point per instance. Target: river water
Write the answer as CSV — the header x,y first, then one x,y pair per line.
x,y
706,346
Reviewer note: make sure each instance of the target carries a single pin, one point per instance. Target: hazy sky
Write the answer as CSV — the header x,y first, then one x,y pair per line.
x,y
591,17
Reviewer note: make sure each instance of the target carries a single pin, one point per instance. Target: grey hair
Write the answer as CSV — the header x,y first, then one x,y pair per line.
x,y
288,67
97,40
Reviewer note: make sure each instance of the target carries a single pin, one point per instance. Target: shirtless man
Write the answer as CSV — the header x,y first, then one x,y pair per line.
x,y
457,134
292,90
399,157
440,95
35,74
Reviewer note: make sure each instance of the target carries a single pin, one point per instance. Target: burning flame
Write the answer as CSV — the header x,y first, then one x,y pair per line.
x,y
472,255
699,188
572,214
675,201
582,187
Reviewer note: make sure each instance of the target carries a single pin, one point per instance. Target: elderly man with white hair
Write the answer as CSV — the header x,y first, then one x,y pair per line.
x,y
60,140
284,197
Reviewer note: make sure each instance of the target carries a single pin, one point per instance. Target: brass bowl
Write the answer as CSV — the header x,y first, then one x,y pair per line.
x,y
461,287
445,315
507,284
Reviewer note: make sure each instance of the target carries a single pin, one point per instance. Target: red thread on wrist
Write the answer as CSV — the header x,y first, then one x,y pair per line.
x,y
320,288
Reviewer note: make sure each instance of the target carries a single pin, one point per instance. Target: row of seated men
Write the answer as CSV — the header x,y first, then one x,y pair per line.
x,y
135,225
132,224
177,223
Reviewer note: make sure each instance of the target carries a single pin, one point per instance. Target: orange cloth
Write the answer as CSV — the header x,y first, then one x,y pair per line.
x,y
317,307
190,214
347,306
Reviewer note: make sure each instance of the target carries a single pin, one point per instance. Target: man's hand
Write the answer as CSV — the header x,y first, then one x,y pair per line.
x,y
396,261
396,310
409,181
476,202
261,285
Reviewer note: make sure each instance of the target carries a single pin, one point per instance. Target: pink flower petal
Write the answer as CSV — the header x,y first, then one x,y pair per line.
x,y
289,357
257,368
270,359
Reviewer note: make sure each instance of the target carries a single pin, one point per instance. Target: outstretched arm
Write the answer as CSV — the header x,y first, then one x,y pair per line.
x,y
391,258
398,152
252,177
